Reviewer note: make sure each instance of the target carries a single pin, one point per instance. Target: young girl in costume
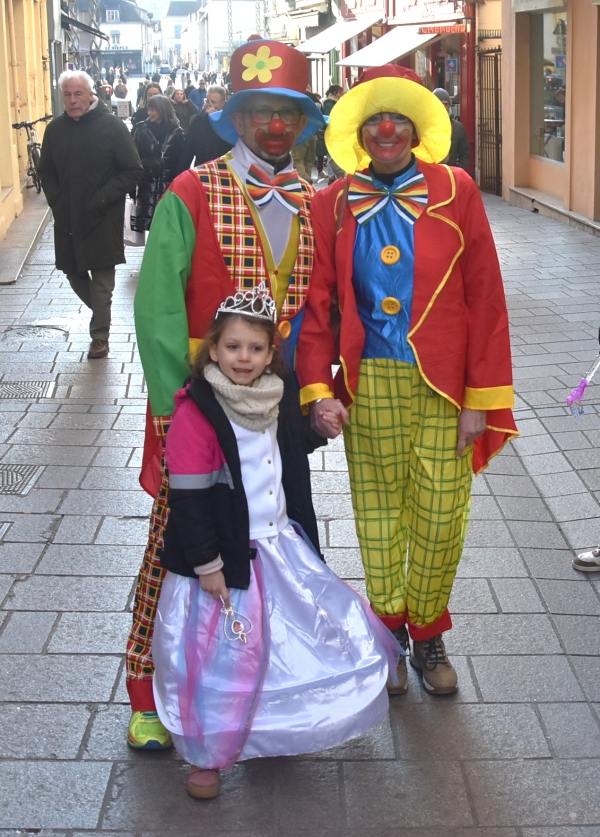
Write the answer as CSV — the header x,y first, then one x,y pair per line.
x,y
259,648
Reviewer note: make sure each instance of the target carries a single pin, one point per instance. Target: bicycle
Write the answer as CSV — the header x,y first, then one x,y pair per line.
x,y
33,151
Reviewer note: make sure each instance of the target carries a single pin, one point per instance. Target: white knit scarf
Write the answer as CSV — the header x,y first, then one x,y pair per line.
x,y
253,408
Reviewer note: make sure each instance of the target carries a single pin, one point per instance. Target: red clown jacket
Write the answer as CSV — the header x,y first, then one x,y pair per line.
x,y
459,323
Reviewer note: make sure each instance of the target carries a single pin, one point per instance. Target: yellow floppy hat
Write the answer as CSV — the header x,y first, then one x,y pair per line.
x,y
387,89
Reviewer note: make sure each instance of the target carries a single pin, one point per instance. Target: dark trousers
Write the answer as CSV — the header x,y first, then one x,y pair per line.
x,y
96,292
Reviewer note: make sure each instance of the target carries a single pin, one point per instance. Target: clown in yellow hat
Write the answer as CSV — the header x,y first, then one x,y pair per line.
x,y
407,293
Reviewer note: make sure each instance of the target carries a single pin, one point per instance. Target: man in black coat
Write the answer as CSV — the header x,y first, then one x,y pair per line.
x,y
201,142
460,147
88,165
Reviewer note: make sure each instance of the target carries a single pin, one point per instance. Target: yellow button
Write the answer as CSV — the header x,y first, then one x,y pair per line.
x,y
390,254
285,329
391,305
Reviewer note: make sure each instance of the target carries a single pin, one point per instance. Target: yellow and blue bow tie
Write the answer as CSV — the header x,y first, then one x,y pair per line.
x,y
285,188
366,199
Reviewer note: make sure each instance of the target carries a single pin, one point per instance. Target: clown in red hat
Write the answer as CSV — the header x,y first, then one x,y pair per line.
x,y
223,227
424,388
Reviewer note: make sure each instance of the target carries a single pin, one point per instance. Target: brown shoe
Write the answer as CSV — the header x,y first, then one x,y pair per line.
x,y
98,349
430,658
203,784
401,686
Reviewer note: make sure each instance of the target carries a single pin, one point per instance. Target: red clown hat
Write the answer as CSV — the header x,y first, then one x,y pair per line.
x,y
261,66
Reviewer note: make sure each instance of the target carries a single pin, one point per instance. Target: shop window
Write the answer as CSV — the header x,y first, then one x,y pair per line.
x,y
548,51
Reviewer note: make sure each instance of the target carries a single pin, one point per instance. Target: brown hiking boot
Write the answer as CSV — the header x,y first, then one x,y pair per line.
x,y
430,658
401,686
98,349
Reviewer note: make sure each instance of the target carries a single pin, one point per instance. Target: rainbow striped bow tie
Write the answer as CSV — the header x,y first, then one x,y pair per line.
x,y
285,188
366,200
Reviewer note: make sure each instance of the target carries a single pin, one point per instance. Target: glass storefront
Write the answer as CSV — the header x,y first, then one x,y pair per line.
x,y
548,51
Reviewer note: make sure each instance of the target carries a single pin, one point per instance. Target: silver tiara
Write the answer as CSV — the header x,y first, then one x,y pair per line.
x,y
255,303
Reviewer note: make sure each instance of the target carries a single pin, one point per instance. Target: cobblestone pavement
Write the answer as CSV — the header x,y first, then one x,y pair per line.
x,y
516,753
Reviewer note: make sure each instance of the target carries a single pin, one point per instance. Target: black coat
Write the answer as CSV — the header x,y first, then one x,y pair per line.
x,y
159,152
185,112
87,167
202,143
204,523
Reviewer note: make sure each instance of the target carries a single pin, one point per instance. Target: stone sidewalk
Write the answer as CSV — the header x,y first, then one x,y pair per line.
x,y
516,753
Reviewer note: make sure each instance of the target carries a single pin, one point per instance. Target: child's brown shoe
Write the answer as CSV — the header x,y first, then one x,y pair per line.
x,y
203,784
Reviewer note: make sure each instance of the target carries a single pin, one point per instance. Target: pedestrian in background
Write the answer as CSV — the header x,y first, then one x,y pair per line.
x,y
460,147
197,96
184,109
141,113
88,165
120,90
159,141
202,143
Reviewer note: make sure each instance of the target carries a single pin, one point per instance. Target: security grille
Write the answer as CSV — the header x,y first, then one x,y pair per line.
x,y
490,121
18,479
27,389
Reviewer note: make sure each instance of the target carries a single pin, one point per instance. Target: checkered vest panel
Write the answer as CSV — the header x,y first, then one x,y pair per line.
x,y
239,239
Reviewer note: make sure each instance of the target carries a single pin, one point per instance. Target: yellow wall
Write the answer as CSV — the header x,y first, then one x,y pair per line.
x,y
576,184
24,68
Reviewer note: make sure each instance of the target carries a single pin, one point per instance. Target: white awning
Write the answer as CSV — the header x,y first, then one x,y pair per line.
x,y
394,44
339,32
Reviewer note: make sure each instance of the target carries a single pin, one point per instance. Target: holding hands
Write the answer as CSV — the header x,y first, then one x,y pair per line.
x,y
327,415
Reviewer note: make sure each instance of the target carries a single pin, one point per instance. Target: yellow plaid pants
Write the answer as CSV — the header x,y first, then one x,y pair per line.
x,y
410,493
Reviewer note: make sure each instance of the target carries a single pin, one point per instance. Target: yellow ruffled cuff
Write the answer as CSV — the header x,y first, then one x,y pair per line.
x,y
195,346
489,398
314,391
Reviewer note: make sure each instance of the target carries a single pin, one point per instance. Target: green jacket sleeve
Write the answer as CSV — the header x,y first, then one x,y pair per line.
x,y
161,322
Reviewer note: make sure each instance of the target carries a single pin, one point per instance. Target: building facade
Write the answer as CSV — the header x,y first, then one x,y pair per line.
x,y
25,94
551,112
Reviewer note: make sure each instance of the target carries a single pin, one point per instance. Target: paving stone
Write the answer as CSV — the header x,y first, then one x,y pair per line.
x,y
342,533
48,455
57,678
382,795
472,595
581,533
511,486
107,740
26,633
112,457
346,563
551,563
77,529
523,679
61,476
91,633
548,792
119,479
334,482
58,436
332,506
484,508
559,485
524,508
52,794
572,729
19,557
377,744
37,501
562,831
107,502
46,592
502,634
574,507
31,528
580,634
122,531
89,559
491,563
506,464
482,533
570,597
546,463
517,595
462,732
42,731
531,534
247,793
528,445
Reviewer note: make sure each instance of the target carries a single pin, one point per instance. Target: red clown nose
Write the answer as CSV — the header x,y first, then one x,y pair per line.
x,y
277,126
387,128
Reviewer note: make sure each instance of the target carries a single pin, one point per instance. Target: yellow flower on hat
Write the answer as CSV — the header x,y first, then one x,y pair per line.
x,y
260,65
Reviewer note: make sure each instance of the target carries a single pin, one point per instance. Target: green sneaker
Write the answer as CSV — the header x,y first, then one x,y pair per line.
x,y
147,733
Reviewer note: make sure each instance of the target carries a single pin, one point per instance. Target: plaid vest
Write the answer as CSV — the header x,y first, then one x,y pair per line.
x,y
240,242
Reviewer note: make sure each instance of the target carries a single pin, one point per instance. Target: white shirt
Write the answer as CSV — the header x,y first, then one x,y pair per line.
x,y
275,218
261,475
